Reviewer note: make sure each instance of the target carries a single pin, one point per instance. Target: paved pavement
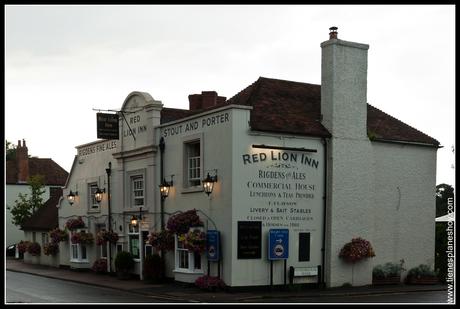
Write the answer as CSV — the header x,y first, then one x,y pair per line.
x,y
176,291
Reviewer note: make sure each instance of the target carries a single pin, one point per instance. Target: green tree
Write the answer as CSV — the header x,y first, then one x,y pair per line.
x,y
26,206
443,193
10,151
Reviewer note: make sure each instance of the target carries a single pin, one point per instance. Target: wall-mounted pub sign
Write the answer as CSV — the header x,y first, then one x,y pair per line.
x,y
107,126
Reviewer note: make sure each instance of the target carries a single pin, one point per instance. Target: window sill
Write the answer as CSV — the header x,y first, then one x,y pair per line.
x,y
192,190
79,261
188,271
92,211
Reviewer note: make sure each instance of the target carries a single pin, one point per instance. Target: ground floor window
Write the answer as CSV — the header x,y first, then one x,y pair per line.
x,y
186,260
78,252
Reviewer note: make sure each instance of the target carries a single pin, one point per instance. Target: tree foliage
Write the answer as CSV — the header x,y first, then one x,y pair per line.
x,y
27,205
443,193
10,151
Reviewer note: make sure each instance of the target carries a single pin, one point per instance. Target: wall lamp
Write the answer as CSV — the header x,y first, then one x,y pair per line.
x,y
71,197
208,183
135,220
165,186
99,194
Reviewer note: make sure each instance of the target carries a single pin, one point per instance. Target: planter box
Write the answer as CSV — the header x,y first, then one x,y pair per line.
x,y
387,280
423,280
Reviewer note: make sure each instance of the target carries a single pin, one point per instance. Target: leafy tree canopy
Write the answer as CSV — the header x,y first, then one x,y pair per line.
x,y
26,206
443,193
10,151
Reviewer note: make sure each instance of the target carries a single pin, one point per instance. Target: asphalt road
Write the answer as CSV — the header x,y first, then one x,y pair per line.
x,y
26,288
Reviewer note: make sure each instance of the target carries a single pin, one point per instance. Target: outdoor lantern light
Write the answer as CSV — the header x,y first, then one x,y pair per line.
x,y
99,194
164,188
208,183
134,220
71,197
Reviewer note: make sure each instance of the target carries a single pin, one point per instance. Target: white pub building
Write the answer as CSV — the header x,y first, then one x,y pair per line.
x,y
298,170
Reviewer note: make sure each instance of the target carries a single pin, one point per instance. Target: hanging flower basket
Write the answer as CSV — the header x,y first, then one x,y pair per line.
x,y
58,235
104,236
72,224
356,250
22,246
163,240
82,238
194,240
182,222
34,249
51,248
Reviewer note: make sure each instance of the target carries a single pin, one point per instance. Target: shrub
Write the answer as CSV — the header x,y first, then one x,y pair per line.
x,y
182,222
34,248
421,271
356,250
153,267
388,270
163,240
100,266
75,223
209,283
124,261
51,248
22,246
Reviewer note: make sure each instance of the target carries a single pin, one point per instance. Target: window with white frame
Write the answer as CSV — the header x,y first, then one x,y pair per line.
x,y
137,190
78,252
45,238
92,202
193,163
186,260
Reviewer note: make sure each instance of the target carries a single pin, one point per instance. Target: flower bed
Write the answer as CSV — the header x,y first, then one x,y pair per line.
x,y
356,250
422,274
104,236
100,266
209,283
388,273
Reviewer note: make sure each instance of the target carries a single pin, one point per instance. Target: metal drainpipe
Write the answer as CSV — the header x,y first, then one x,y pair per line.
x,y
109,172
324,213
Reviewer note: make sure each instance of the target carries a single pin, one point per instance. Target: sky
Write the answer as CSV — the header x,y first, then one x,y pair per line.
x,y
62,62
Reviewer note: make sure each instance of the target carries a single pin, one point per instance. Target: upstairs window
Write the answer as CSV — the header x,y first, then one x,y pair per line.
x,y
137,190
93,204
193,163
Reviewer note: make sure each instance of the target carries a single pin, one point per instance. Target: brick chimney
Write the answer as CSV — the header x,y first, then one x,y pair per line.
x,y
205,100
22,162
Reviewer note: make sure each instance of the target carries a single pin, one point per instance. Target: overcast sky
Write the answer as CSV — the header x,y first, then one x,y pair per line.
x,y
63,61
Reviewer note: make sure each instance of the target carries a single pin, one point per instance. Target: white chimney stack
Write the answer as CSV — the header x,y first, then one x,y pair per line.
x,y
344,87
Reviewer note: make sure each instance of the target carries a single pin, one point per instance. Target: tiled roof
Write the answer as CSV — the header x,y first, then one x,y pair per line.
x,y
293,107
46,218
54,174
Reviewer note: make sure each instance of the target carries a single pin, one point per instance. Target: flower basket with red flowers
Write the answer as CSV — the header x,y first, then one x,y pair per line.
x,y
82,238
182,222
58,235
22,246
194,240
72,224
51,248
209,283
356,250
102,237
100,266
34,248
163,240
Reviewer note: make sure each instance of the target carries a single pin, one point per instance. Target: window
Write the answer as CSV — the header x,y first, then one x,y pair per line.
x,y
45,238
137,190
133,238
92,203
304,247
187,261
78,252
193,163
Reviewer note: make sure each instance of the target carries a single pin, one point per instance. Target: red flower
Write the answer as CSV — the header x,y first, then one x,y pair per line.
x,y
356,250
